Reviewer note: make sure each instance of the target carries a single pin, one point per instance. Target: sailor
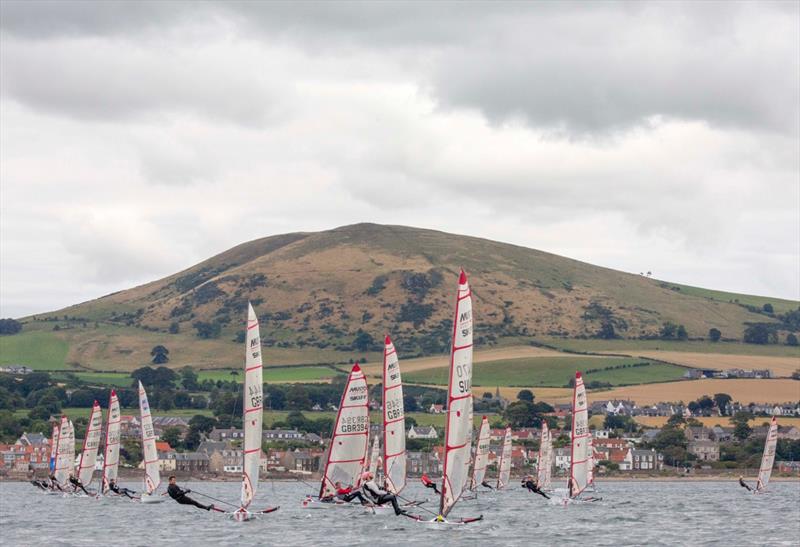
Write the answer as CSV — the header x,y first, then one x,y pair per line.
x,y
347,494
486,485
39,484
76,484
378,495
114,487
569,486
429,483
179,495
744,484
529,483
54,484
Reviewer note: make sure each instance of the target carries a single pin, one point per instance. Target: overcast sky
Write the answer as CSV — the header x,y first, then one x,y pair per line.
x,y
137,139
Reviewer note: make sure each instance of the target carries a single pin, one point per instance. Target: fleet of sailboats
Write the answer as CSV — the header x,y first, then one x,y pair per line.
x,y
346,457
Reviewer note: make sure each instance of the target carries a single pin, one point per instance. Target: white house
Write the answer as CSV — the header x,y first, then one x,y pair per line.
x,y
422,432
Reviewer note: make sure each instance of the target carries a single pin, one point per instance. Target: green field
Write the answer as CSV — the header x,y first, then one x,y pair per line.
x,y
115,379
629,346
37,350
780,305
554,372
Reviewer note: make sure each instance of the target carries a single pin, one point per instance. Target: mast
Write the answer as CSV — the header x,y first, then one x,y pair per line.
x,y
394,421
768,458
579,466
459,396
253,412
374,456
111,454
53,448
504,474
152,475
91,443
348,450
481,453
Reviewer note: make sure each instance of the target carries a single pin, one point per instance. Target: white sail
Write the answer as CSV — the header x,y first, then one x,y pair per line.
x,y
504,473
65,456
590,474
111,454
152,475
579,468
768,459
394,421
375,455
481,453
348,450
91,443
253,414
53,448
459,399
541,470
548,462
470,435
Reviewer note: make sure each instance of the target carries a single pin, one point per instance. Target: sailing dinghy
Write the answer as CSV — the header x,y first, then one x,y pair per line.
x,y
768,458
347,453
152,475
394,421
504,474
65,453
458,429
111,454
481,454
545,463
579,475
91,443
252,418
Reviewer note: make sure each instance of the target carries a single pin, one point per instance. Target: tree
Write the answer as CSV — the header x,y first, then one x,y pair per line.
x,y
681,333
791,339
297,398
768,308
159,354
525,395
172,436
741,428
722,400
626,423
668,330
363,341
10,326
189,379
487,395
521,414
606,331
207,330
757,334
714,334
675,420
203,424
174,327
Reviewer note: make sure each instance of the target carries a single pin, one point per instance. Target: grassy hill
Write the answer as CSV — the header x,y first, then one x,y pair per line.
x,y
328,297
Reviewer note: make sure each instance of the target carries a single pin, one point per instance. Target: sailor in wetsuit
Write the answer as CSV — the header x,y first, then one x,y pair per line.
x,y
744,484
76,484
114,487
180,496
378,495
428,483
529,483
486,485
39,484
347,494
54,484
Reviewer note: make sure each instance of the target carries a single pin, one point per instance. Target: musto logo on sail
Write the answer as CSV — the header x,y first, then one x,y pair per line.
x,y
357,394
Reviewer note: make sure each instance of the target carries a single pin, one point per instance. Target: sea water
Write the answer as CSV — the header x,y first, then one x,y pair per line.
x,y
630,513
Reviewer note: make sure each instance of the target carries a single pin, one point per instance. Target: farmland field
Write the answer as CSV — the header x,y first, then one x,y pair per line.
x,y
780,366
632,346
37,350
276,375
554,372
711,421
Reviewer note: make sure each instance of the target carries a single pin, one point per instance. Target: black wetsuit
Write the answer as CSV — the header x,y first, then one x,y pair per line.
x,y
39,484
77,484
180,496
351,496
54,485
486,485
530,485
380,499
744,484
114,487
432,484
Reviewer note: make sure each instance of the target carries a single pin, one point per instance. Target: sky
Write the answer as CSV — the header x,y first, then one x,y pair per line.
x,y
137,139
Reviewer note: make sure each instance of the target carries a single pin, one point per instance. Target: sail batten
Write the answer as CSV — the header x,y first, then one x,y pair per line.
x,y
768,457
91,443
394,422
580,459
152,474
459,398
111,454
348,449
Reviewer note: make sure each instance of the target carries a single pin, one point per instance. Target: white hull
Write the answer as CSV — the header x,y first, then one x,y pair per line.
x,y
152,498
